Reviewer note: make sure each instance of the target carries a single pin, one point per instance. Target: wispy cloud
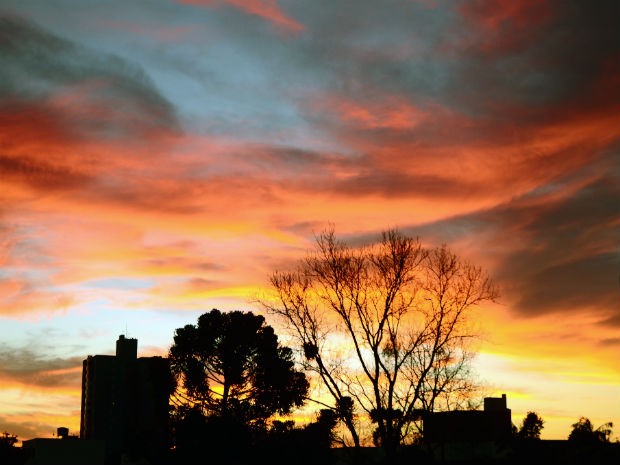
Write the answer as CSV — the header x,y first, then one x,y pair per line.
x,y
268,10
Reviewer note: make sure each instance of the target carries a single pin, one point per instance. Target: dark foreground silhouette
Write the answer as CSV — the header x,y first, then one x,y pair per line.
x,y
234,378
307,446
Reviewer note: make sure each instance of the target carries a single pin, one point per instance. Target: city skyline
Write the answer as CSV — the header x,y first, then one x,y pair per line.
x,y
159,159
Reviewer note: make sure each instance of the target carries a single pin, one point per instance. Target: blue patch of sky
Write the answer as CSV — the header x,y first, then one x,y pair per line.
x,y
92,328
229,80
27,276
120,283
232,74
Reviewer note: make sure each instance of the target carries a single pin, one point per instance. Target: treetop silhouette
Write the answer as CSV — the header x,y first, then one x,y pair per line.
x,y
231,365
583,432
531,426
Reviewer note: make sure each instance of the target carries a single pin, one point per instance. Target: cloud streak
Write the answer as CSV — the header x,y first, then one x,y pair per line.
x,y
268,10
555,249
25,367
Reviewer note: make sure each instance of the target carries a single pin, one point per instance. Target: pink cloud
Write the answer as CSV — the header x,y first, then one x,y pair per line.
x,y
505,26
265,9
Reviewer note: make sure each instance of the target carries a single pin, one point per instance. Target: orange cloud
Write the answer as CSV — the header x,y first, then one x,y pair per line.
x,y
386,112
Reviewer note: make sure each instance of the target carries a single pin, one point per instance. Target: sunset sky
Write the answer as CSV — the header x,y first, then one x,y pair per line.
x,y
161,158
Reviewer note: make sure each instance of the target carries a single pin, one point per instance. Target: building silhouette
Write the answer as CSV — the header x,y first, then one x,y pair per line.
x,y
125,401
470,434
65,449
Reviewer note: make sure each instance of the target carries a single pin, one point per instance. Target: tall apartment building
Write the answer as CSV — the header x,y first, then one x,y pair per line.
x,y
125,401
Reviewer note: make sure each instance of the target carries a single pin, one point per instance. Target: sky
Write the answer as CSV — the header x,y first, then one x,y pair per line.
x,y
161,158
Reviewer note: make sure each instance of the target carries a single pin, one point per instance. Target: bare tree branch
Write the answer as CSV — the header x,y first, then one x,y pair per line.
x,y
403,311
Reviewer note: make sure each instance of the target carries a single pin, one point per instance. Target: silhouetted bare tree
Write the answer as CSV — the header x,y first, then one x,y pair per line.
x,y
403,312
